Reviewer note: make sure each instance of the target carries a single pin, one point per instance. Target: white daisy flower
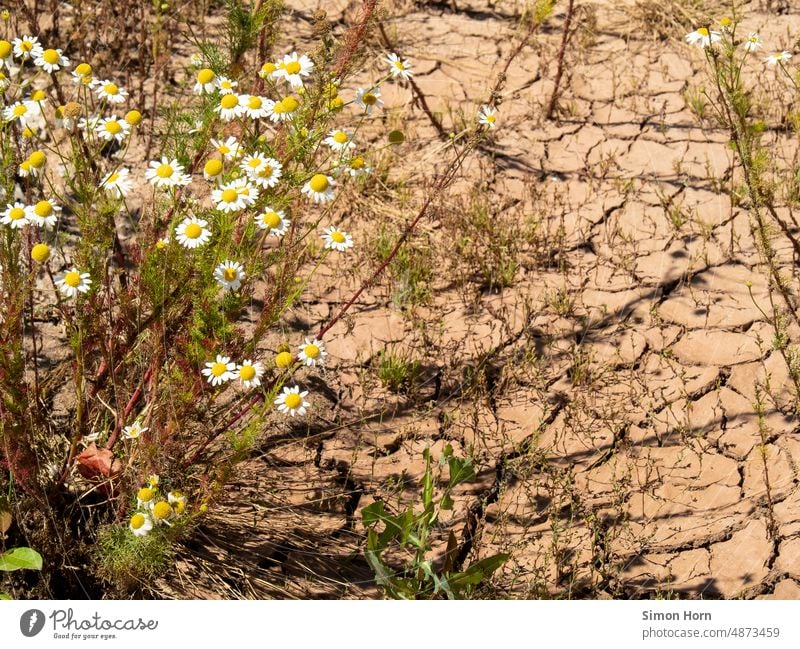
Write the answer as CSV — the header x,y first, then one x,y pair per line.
x,y
212,170
27,112
6,55
337,239
206,82
167,173
229,274
27,47
368,99
250,373
177,500
51,60
44,213
73,282
162,512
230,107
117,183
356,166
82,75
15,215
312,353
284,109
273,220
146,496
225,85
779,57
293,68
291,401
399,67
228,199
752,43
702,37
111,92
229,149
220,370
252,163
319,188
339,140
247,192
192,232
486,116
112,128
267,174
89,124
134,431
140,524
257,107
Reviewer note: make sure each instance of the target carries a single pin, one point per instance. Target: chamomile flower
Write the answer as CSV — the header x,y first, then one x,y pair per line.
x,y
273,220
206,82
112,128
778,57
702,37
5,82
487,117
247,192
250,373
284,109
228,199
25,112
267,174
117,183
220,370
399,67
339,140
336,239
6,51
73,282
229,149
226,86
229,107
319,188
292,402
36,162
229,274
192,232
110,92
44,213
135,430
51,60
356,166
212,170
256,107
140,524
82,75
293,68
368,99
15,216
312,353
178,501
162,512
167,173
146,496
752,43
27,47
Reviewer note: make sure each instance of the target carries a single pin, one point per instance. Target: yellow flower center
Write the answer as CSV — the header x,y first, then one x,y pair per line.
x,y
247,373
219,369
266,172
319,183
357,163
51,56
205,76
229,195
38,95
230,274
145,494
112,178
293,401
284,360
399,65
254,103
223,149
491,119
254,163
40,252
20,110
703,32
110,88
213,167
192,231
73,279
37,159
164,171
162,510
133,117
267,68
271,219
340,137
226,84
311,351
83,70
5,49
137,521
113,127
229,101
25,165
293,67
289,104
337,237
43,209
369,99
16,213
26,46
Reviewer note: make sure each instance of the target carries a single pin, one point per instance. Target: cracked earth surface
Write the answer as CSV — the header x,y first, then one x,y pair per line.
x,y
618,449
